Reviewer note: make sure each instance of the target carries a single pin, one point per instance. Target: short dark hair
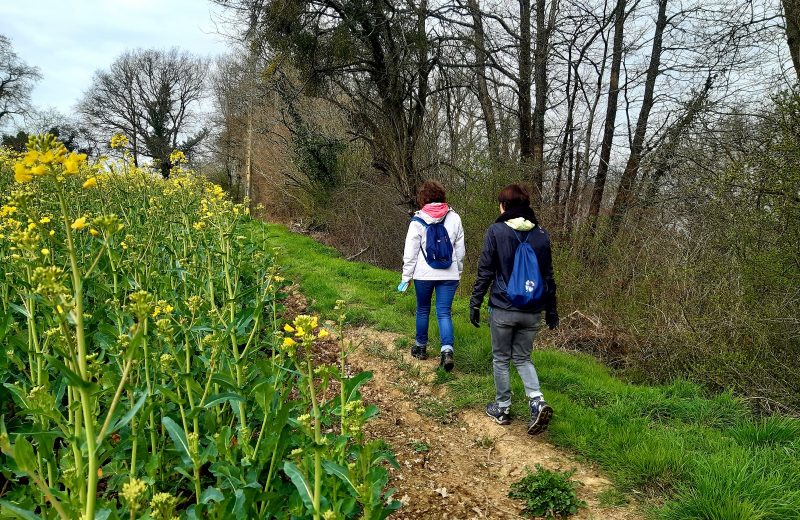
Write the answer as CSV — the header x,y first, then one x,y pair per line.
x,y
514,196
430,191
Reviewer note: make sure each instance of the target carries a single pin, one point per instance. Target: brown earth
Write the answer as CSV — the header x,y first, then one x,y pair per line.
x,y
456,465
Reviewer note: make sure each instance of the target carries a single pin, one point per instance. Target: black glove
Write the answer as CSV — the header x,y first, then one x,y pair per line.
x,y
475,316
551,318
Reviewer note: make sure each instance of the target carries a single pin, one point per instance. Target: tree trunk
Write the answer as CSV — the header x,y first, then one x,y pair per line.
x,y
540,78
524,86
791,14
624,197
567,145
611,113
487,106
572,206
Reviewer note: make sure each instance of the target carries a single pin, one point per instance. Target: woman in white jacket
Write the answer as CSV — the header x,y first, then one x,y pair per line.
x,y
441,277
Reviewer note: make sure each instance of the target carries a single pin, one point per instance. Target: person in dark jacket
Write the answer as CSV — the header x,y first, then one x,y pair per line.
x,y
513,329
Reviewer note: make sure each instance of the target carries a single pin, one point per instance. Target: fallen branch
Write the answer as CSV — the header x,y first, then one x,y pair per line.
x,y
353,257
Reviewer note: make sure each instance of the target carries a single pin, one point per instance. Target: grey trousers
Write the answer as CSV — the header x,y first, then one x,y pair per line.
x,y
512,340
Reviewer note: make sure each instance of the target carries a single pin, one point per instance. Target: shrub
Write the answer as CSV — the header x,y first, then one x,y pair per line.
x,y
547,493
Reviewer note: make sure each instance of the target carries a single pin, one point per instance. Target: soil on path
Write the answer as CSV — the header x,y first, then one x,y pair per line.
x,y
456,465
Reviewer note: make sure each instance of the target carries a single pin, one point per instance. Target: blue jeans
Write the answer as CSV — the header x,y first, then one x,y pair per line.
x,y
445,292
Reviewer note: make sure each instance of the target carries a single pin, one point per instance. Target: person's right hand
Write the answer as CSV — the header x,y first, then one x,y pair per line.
x,y
475,316
401,288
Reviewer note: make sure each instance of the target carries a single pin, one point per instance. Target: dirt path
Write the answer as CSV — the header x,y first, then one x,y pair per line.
x,y
456,466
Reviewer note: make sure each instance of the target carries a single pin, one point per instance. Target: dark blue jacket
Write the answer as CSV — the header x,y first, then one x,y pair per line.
x,y
497,262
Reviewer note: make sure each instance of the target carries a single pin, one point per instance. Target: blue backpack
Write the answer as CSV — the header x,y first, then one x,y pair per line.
x,y
525,286
438,251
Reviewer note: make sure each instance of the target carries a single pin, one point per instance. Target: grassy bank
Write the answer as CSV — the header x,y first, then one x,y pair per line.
x,y
699,456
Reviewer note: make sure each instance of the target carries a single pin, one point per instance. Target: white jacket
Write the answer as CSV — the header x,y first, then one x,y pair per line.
x,y
414,264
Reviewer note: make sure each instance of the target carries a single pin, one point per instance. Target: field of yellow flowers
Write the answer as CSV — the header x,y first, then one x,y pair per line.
x,y
146,373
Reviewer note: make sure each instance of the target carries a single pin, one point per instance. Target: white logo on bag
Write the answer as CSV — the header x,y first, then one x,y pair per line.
x,y
529,285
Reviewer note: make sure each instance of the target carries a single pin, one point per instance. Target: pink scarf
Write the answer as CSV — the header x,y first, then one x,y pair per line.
x,y
436,209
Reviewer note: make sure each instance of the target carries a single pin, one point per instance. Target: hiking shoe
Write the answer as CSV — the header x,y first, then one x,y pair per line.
x,y
541,413
499,415
446,361
419,352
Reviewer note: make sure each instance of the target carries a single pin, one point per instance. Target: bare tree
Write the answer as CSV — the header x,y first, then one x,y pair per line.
x,y
611,110
484,96
150,96
791,14
626,187
16,82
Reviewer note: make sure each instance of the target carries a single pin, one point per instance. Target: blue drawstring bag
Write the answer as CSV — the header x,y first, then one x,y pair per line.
x,y
525,286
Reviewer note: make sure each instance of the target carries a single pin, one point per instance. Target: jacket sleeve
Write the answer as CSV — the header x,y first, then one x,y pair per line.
x,y
487,267
459,250
411,251
546,267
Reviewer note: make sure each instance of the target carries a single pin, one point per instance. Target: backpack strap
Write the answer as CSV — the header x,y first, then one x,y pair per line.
x,y
527,234
421,221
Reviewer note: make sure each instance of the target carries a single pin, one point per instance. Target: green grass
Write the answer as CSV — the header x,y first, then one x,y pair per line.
x,y
702,456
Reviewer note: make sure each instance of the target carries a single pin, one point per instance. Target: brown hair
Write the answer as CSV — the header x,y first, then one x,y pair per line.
x,y
430,191
514,196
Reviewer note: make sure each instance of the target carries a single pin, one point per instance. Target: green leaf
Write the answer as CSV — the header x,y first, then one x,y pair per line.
x,y
300,482
128,417
20,309
224,380
211,494
222,398
178,436
19,512
24,456
19,394
73,378
331,468
352,384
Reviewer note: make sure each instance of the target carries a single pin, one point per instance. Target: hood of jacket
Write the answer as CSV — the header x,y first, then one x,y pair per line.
x,y
520,224
433,212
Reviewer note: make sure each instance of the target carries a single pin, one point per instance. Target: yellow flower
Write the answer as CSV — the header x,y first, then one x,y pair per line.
x,y
94,232
288,328
30,158
44,220
177,157
91,182
289,342
79,224
323,334
45,252
73,162
39,169
119,141
21,173
47,157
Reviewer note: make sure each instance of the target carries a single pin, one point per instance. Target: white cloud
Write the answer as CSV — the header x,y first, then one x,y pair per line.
x,y
68,41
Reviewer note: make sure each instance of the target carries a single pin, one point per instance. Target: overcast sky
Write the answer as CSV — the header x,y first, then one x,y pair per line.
x,y
69,40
